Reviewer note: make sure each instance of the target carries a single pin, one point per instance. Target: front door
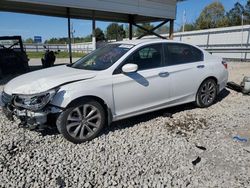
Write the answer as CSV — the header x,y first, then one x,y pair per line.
x,y
145,89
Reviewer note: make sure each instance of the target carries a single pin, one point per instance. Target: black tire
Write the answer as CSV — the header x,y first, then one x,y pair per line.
x,y
68,118
206,97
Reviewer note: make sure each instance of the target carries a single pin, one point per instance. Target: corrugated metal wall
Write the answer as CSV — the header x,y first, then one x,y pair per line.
x,y
224,42
164,9
227,42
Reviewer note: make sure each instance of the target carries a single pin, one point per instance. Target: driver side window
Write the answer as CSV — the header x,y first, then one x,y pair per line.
x,y
147,57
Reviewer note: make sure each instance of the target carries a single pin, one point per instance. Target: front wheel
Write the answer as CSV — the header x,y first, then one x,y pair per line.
x,y
206,94
81,122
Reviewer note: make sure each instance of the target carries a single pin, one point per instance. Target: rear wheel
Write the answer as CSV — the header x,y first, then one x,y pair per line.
x,y
82,122
206,94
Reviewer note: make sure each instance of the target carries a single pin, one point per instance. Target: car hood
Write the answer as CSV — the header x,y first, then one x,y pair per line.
x,y
43,80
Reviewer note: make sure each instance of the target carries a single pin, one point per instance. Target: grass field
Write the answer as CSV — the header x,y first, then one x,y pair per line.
x,y
60,55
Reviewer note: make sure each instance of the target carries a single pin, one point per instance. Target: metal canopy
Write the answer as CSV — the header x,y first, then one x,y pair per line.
x,y
105,10
127,11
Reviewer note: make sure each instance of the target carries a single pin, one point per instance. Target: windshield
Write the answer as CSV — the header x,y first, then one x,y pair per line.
x,y
9,43
102,58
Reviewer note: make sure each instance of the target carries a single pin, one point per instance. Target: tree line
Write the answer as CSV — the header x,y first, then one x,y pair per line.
x,y
212,16
215,16
114,31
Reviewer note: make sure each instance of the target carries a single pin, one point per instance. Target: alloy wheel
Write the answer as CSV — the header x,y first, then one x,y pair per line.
x,y
208,92
83,121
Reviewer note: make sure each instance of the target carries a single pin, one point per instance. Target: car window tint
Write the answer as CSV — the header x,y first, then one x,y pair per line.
x,y
176,54
147,57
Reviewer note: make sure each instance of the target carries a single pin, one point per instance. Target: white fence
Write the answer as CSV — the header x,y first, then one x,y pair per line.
x,y
82,47
40,48
78,47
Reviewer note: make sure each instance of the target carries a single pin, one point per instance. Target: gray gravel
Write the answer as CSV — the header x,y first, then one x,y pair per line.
x,y
152,150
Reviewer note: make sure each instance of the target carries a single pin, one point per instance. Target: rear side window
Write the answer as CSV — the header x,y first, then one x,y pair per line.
x,y
176,54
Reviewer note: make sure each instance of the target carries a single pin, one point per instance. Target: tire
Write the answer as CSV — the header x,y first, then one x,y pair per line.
x,y
81,122
207,93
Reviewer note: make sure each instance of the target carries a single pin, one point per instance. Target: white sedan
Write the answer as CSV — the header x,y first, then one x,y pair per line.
x,y
120,80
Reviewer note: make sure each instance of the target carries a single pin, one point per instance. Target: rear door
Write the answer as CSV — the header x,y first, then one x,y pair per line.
x,y
186,67
145,89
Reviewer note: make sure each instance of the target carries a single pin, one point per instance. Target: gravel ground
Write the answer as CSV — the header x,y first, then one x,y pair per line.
x,y
182,146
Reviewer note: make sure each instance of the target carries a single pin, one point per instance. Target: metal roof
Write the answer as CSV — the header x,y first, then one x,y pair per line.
x,y
105,10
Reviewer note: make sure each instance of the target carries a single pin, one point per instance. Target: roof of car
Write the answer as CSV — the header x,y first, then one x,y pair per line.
x,y
148,41
141,41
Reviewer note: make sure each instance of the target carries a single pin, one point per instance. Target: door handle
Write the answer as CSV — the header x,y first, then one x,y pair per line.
x,y
163,74
200,66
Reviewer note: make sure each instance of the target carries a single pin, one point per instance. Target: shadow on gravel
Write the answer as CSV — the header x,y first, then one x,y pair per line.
x,y
167,112
52,130
223,94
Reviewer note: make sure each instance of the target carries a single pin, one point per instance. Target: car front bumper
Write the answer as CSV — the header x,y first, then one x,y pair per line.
x,y
28,118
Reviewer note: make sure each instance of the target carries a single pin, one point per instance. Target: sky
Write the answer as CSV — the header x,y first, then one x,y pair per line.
x,y
29,26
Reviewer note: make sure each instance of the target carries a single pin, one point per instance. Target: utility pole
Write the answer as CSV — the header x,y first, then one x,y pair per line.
x,y
93,31
183,21
242,25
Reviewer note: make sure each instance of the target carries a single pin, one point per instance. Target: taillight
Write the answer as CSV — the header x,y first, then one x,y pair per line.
x,y
225,64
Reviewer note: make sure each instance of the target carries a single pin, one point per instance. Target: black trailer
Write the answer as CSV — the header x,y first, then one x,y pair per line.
x,y
13,58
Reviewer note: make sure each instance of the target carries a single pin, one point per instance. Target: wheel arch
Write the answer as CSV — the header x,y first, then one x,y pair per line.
x,y
105,106
210,77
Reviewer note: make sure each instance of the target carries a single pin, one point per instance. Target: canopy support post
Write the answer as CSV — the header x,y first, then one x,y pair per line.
x,y
148,31
151,31
131,20
171,30
69,36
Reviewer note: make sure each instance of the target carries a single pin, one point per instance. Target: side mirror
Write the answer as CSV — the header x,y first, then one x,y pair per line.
x,y
129,68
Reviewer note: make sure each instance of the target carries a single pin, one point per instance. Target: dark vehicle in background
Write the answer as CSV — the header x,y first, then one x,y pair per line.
x,y
13,58
49,58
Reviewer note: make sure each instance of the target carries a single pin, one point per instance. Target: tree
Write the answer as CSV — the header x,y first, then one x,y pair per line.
x,y
235,14
147,26
247,12
188,27
115,31
29,40
212,16
99,35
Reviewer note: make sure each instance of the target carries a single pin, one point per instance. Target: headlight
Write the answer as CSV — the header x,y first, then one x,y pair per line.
x,y
34,102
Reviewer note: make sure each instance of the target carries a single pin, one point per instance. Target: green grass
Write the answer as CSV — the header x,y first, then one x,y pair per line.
x,y
60,55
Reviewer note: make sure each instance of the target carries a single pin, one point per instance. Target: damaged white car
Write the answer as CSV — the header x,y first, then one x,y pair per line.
x,y
120,80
